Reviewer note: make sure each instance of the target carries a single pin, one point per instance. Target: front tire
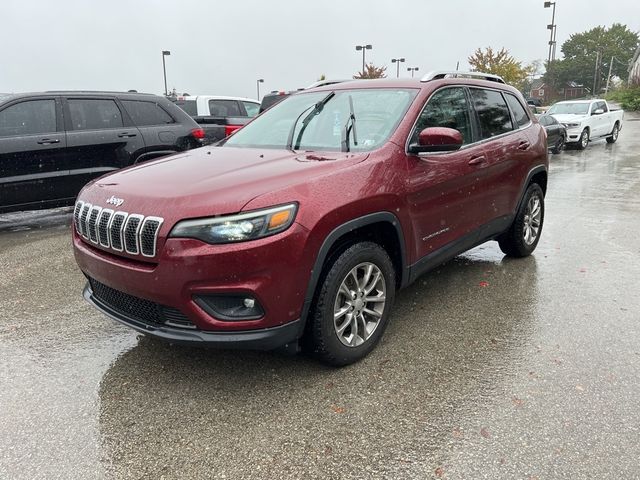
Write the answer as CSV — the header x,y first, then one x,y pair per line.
x,y
614,134
524,233
583,141
351,310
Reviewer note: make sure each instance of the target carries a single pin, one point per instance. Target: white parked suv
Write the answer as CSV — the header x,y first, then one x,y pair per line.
x,y
587,120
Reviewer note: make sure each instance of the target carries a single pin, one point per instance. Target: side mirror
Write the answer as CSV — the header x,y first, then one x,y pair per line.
x,y
599,111
437,139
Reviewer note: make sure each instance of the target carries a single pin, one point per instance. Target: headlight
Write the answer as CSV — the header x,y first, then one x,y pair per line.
x,y
571,125
238,228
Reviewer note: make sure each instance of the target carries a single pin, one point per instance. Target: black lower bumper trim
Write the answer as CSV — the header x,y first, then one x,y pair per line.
x,y
264,339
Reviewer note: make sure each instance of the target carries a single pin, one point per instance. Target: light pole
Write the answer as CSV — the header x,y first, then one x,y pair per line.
x,y
412,70
363,48
258,82
397,61
164,70
552,27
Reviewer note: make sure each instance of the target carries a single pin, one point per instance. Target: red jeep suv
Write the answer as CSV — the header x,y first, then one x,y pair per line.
x,y
301,226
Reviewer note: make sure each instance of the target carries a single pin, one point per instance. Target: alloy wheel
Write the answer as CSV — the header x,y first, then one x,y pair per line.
x,y
359,304
532,220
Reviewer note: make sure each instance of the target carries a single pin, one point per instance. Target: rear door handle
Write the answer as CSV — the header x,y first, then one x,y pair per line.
x,y
126,135
48,141
477,160
524,146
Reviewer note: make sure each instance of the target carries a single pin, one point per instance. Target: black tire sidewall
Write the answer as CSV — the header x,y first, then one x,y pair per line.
x,y
327,345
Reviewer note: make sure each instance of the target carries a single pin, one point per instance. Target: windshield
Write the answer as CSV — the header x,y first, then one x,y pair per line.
x,y
568,108
377,113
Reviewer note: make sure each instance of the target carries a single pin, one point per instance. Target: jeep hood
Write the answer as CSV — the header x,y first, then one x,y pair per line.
x,y
211,180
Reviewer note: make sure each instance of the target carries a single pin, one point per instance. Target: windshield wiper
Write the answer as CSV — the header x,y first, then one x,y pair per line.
x,y
317,108
349,127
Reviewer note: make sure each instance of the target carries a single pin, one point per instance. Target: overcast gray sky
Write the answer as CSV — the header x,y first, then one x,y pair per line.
x,y
222,47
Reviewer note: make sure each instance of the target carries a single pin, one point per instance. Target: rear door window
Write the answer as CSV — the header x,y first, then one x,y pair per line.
x,y
224,108
94,114
28,118
251,108
188,106
492,111
446,108
519,112
147,113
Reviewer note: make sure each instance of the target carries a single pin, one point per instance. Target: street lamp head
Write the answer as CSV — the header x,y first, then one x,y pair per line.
x,y
166,52
368,47
402,60
261,80
550,27
548,4
358,47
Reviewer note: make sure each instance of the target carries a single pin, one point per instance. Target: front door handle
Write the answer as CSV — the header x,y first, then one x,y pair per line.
x,y
477,160
48,141
126,135
524,146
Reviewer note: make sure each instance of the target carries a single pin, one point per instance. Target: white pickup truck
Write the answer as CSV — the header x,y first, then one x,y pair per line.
x,y
587,120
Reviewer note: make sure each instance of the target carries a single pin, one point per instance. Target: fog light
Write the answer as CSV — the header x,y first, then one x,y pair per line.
x,y
249,302
230,307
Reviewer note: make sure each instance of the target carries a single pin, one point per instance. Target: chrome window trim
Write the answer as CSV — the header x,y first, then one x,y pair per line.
x,y
124,220
135,235
160,220
467,145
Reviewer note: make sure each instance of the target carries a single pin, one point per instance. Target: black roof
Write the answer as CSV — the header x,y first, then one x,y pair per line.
x,y
79,93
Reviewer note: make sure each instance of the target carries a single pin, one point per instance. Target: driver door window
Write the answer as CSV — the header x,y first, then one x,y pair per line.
x,y
446,108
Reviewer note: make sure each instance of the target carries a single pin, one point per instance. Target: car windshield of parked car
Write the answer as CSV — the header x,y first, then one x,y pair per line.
x,y
569,108
377,113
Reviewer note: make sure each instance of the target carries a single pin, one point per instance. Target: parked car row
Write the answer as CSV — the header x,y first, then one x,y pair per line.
x,y
218,116
53,143
587,120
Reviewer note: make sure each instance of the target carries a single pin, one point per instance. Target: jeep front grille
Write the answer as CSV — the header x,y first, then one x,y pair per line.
x,y
119,231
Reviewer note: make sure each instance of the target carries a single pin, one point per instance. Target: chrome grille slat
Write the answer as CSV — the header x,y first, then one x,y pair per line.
x,y
92,222
131,229
115,232
104,221
76,214
121,231
148,236
83,219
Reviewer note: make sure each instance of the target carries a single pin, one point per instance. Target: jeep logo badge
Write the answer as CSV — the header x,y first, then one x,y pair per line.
x,y
115,201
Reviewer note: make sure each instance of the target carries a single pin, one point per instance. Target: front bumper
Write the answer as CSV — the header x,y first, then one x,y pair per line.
x,y
573,134
274,271
263,339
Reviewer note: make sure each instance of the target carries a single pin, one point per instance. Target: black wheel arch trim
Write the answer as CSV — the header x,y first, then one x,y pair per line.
x,y
339,232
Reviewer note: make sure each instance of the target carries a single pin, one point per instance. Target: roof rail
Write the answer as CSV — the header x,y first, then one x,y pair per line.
x,y
440,74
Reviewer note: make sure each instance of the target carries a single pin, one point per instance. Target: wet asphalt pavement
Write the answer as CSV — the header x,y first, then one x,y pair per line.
x,y
491,368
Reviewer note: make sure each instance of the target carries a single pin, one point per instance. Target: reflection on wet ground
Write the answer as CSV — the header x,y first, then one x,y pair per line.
x,y
491,368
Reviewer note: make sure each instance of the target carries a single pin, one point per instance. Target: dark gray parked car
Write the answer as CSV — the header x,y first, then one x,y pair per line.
x,y
556,133
53,143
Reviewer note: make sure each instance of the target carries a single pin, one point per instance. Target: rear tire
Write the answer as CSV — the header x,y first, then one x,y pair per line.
x,y
583,141
614,134
351,309
559,145
522,237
